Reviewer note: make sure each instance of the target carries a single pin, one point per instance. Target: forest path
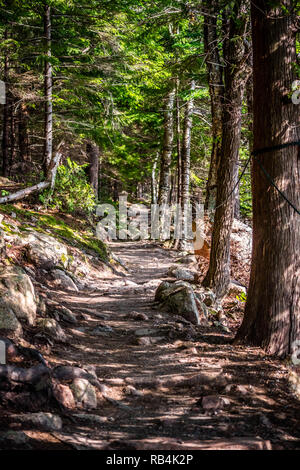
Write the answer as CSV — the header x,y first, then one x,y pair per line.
x,y
154,378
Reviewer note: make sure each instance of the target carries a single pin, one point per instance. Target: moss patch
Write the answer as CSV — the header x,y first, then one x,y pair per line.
x,y
46,223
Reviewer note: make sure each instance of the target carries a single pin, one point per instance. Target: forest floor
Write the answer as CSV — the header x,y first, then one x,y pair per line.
x,y
157,370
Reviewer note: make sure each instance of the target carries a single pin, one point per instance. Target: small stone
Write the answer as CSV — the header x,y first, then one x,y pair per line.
x,y
90,418
84,393
130,283
239,389
65,314
137,316
130,390
144,332
102,330
64,281
214,402
190,259
191,351
143,341
64,396
242,390
181,273
50,326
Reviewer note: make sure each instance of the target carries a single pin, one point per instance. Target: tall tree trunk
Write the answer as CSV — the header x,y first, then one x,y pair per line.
x,y
5,135
236,211
12,132
166,157
22,134
178,142
272,312
216,90
93,168
154,181
173,191
218,275
186,156
48,90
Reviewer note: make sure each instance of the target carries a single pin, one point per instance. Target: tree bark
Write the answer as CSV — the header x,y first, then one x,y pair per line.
x,y
186,157
48,90
173,190
237,192
166,157
218,275
216,90
153,180
272,312
93,169
178,142
12,133
5,135
22,134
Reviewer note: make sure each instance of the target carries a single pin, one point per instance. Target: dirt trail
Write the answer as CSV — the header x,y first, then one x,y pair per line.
x,y
150,404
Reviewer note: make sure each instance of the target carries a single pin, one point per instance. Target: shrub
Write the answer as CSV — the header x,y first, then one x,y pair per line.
x,y
72,192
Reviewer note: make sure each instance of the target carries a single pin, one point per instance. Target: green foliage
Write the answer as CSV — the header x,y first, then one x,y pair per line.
x,y
113,64
72,192
242,297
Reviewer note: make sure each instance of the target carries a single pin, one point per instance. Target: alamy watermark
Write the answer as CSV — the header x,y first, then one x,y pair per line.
x,y
2,352
2,92
160,222
296,353
296,92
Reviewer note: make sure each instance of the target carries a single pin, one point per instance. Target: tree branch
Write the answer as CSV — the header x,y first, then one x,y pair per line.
x,y
50,182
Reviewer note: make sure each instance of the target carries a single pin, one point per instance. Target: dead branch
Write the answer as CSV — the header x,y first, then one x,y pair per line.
x,y
49,182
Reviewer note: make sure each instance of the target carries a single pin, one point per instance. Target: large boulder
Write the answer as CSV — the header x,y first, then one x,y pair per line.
x,y
179,298
45,251
17,296
8,321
